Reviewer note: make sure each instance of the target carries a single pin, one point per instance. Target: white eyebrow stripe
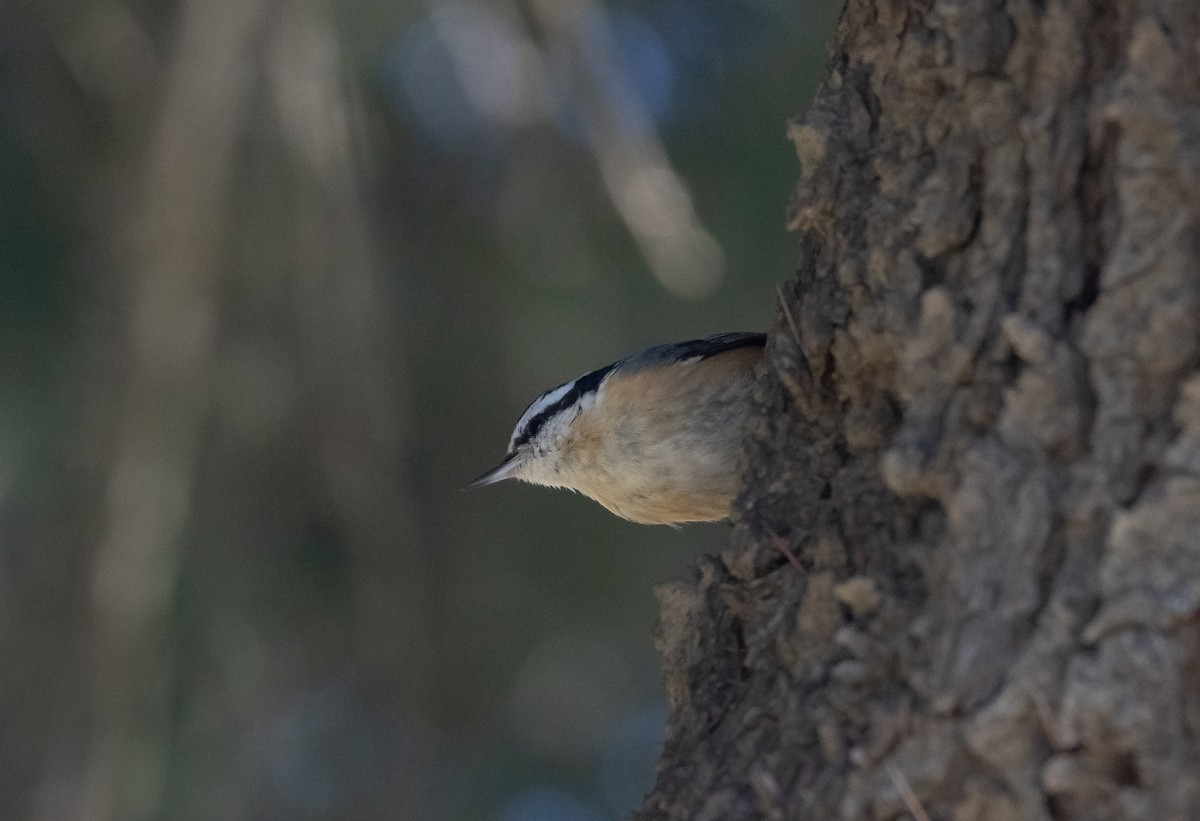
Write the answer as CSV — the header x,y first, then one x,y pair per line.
x,y
539,405
547,400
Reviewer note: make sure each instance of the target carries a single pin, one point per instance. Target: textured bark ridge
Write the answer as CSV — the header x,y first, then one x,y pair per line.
x,y
964,579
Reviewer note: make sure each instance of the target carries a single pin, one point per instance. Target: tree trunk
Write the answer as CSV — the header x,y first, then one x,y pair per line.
x,y
964,578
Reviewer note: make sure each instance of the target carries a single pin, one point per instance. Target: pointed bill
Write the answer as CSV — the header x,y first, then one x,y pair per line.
x,y
504,470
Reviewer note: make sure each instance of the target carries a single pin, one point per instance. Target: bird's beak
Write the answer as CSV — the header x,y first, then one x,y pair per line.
x,y
505,470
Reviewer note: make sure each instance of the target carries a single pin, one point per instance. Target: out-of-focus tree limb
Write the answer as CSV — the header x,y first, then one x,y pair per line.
x,y
175,237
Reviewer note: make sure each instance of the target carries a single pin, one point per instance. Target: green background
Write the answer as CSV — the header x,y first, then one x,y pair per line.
x,y
423,229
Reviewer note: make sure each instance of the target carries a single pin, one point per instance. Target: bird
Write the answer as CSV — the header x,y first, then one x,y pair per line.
x,y
653,437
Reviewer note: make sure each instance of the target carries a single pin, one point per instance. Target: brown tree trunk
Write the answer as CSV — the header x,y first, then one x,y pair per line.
x,y
964,580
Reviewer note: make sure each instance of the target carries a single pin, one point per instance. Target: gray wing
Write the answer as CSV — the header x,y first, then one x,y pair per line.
x,y
694,349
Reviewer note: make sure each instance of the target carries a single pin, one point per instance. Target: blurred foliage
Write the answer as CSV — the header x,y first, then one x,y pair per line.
x,y
275,281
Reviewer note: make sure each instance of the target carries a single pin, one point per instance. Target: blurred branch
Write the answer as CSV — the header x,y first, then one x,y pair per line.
x,y
578,66
358,404
176,235
649,195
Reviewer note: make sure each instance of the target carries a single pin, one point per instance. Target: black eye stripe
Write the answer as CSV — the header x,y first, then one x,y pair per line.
x,y
583,385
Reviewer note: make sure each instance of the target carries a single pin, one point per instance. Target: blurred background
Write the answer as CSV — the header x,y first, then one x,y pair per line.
x,y
276,280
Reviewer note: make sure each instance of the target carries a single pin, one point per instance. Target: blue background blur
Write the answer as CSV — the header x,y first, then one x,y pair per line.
x,y
276,279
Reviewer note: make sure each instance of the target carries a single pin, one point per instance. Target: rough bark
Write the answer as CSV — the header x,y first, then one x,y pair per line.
x,y
978,438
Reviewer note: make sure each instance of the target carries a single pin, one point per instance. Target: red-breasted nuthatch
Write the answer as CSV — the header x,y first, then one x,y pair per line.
x,y
653,437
